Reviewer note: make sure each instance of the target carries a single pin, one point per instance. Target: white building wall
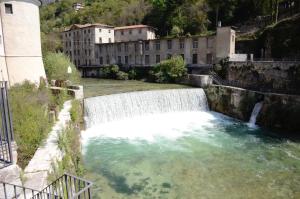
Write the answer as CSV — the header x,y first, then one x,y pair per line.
x,y
22,42
134,34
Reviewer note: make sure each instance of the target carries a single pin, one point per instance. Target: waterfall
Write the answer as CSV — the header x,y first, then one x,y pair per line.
x,y
255,113
119,106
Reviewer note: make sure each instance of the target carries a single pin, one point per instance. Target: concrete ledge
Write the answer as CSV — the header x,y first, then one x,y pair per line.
x,y
198,80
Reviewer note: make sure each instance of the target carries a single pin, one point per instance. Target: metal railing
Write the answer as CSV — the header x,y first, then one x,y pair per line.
x,y
11,191
6,129
65,187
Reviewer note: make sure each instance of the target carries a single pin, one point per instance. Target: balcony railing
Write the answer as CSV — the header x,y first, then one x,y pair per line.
x,y
6,129
65,187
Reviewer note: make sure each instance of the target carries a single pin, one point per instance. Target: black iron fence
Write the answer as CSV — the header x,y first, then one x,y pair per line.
x,y
11,191
6,129
65,187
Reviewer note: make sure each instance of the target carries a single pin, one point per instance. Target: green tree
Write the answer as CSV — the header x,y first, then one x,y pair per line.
x,y
170,70
56,67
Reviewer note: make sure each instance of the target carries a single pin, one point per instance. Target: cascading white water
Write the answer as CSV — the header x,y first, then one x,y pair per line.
x,y
255,113
114,107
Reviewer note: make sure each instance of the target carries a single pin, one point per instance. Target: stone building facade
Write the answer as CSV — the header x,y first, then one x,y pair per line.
x,y
137,46
195,50
20,43
79,41
134,33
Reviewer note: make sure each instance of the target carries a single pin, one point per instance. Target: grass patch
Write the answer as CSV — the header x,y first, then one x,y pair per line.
x,y
69,143
31,123
98,87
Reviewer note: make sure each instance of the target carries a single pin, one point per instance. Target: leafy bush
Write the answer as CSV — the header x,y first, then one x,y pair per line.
x,y
110,71
132,74
122,75
56,67
31,124
76,112
69,143
170,70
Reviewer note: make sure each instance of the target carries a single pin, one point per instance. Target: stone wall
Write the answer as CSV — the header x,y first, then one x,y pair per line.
x,y
279,112
266,76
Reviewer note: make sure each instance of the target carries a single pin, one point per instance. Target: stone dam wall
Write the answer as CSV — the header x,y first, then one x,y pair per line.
x,y
279,112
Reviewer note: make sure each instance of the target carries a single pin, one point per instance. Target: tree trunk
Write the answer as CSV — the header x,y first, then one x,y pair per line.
x,y
217,15
276,11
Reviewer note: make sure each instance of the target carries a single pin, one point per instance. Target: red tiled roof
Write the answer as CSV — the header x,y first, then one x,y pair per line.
x,y
132,27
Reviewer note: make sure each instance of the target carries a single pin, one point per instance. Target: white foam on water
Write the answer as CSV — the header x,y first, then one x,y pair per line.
x,y
153,127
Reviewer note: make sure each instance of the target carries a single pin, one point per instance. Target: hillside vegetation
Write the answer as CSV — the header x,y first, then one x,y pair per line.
x,y
181,16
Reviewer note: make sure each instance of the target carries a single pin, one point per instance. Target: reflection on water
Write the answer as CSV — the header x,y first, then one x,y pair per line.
x,y
189,155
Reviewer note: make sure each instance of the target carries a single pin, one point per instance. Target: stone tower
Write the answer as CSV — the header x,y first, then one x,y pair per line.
x,y
20,42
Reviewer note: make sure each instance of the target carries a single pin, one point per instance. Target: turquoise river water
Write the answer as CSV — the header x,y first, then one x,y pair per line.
x,y
189,155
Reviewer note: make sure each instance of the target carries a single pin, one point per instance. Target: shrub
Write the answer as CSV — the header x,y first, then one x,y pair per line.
x,y
56,67
76,112
122,75
170,70
31,124
132,74
69,143
109,71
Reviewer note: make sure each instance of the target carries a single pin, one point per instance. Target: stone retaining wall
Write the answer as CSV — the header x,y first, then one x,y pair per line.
x,y
279,112
266,76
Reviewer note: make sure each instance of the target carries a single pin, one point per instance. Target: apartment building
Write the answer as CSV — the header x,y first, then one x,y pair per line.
x,y
79,41
134,33
195,50
138,46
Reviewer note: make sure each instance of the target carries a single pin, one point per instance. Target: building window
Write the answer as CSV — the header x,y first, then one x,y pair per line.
x,y
89,31
181,44
122,32
195,43
140,31
195,58
157,45
169,42
101,60
126,47
169,56
209,58
90,63
182,55
100,30
147,45
100,39
119,48
100,49
208,43
157,59
109,40
84,31
130,32
135,47
119,60
89,52
126,59
108,31
8,8
147,59
107,59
